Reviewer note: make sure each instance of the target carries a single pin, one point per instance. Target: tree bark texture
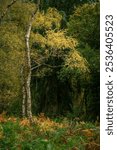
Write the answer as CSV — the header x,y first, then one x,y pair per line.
x,y
28,65
23,91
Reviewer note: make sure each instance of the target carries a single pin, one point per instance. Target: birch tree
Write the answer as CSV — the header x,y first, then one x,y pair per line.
x,y
28,66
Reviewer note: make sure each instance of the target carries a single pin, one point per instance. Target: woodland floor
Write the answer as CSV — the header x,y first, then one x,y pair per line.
x,y
48,134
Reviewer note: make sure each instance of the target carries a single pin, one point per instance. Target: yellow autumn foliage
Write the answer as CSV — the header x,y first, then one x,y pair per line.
x,y
53,37
58,40
75,61
47,20
55,42
38,38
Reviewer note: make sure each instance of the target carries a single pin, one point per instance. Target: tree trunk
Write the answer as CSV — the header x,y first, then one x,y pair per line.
x,y
23,91
28,75
24,102
28,66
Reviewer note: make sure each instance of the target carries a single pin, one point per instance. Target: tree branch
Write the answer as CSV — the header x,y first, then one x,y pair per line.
x,y
47,65
7,8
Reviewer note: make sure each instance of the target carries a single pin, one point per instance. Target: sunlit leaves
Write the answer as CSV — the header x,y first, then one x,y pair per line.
x,y
55,43
39,39
76,61
58,40
76,67
49,20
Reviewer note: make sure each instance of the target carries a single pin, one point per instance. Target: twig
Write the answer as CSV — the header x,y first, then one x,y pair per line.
x,y
47,65
7,8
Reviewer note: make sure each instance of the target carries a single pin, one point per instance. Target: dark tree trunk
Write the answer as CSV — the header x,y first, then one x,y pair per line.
x,y
7,8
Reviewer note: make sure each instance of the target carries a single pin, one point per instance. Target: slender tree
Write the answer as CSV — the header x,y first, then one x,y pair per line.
x,y
28,65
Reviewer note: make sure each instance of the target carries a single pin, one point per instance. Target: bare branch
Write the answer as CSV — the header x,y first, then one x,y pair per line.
x,y
47,65
7,8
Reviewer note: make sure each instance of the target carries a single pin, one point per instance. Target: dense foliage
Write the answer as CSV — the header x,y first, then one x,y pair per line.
x,y
64,47
49,74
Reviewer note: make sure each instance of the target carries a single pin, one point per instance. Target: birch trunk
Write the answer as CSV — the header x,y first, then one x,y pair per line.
x,y
23,92
28,66
28,78
24,102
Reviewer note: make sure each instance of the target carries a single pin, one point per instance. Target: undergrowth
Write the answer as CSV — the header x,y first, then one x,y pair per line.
x,y
43,133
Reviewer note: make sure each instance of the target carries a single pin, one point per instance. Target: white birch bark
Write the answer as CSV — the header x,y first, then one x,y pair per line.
x,y
23,92
28,65
24,102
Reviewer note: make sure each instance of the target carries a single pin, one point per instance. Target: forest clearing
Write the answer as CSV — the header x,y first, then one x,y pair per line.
x,y
49,75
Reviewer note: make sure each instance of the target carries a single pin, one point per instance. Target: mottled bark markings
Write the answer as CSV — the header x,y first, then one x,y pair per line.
x,y
23,91
28,65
